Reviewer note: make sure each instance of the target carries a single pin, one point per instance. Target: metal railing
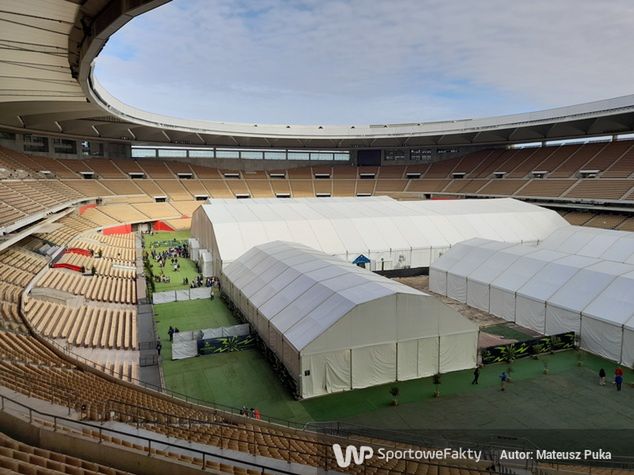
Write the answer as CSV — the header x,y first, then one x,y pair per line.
x,y
172,450
99,431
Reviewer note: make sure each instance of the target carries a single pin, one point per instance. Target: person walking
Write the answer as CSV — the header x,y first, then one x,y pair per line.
x,y
170,332
503,379
601,377
476,375
618,378
158,347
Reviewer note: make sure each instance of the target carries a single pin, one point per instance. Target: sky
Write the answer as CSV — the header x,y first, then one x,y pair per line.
x,y
369,61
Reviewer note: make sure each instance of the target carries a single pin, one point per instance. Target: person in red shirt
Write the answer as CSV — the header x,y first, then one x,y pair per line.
x,y
618,371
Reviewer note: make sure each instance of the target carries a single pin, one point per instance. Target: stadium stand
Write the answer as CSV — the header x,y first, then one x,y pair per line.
x,y
17,457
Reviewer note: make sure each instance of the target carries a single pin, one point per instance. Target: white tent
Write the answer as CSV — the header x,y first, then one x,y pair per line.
x,y
479,281
438,272
627,347
392,234
605,329
550,291
458,273
563,309
606,244
336,326
504,287
530,303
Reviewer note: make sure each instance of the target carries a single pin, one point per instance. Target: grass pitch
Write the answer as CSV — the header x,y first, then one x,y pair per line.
x,y
188,267
568,397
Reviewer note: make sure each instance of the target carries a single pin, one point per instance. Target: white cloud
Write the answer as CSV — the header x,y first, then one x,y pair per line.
x,y
362,61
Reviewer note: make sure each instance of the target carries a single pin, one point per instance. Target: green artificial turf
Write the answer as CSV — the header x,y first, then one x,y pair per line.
x,y
188,267
567,397
507,331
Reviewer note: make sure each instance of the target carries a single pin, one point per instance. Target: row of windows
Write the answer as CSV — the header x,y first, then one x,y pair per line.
x,y
240,154
424,155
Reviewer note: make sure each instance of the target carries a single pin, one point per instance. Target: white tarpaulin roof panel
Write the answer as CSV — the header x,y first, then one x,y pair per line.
x,y
524,268
352,226
553,276
479,254
616,301
586,284
607,244
498,263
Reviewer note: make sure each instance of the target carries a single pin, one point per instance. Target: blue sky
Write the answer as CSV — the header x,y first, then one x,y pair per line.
x,y
369,61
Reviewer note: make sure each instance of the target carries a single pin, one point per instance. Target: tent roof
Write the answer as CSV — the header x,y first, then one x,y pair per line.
x,y
302,292
477,255
586,284
523,269
377,224
499,262
598,288
616,302
606,244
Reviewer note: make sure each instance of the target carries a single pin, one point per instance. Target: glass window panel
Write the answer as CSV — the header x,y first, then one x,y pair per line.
x,y
269,155
251,154
143,152
171,153
201,153
298,156
221,153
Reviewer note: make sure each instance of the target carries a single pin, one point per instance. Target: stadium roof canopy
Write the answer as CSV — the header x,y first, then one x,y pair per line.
x,y
338,327
392,234
47,87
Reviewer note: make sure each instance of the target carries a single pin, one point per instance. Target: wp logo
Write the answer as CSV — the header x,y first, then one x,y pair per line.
x,y
358,454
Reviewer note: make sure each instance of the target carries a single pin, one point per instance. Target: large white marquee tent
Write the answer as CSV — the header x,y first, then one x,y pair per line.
x,y
336,326
546,290
607,244
392,234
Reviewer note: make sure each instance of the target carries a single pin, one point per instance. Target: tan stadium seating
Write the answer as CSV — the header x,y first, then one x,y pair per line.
x,y
578,160
552,188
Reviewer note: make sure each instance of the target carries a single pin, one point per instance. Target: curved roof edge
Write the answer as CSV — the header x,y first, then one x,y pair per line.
x,y
79,107
589,110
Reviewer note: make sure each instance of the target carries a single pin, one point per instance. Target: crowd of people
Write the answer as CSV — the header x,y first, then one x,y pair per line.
x,y
253,412
172,254
201,281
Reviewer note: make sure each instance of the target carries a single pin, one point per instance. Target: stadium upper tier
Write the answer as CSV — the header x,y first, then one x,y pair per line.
x,y
47,87
33,186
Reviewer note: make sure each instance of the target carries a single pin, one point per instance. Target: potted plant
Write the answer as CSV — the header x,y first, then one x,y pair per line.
x,y
436,381
545,367
394,391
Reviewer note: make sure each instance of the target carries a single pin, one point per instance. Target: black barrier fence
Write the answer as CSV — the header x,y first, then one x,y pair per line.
x,y
524,349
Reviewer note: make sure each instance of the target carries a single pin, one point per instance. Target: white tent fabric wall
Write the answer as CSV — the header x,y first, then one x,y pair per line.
x,y
205,263
479,282
194,246
392,234
504,287
530,304
564,307
337,327
627,347
458,273
605,328
550,291
438,272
